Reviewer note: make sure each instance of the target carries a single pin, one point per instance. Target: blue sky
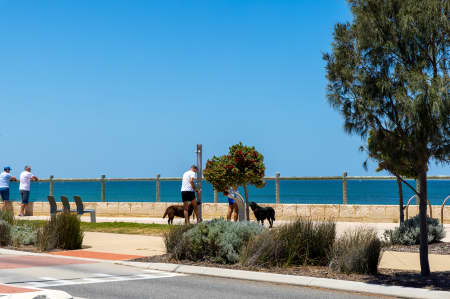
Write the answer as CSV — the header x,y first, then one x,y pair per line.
x,y
128,88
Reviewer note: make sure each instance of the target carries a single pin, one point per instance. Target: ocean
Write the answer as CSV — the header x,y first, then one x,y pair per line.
x,y
382,192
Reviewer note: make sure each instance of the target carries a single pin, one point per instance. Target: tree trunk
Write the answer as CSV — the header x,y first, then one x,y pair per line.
x,y
247,210
400,196
422,182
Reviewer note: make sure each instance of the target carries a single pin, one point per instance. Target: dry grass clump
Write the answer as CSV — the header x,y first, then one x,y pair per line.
x,y
303,242
5,233
62,231
357,251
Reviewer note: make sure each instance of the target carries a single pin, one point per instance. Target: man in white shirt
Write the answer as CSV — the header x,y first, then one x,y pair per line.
x,y
24,188
5,178
188,191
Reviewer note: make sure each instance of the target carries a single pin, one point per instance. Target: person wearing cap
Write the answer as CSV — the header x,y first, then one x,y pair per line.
x,y
5,178
24,188
188,191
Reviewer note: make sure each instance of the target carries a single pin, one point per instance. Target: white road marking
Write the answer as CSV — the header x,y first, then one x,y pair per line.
x,y
101,275
98,278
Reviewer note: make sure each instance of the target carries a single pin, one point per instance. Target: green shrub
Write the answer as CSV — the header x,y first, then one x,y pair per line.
x,y
217,240
357,251
302,242
409,232
23,235
63,231
7,216
5,233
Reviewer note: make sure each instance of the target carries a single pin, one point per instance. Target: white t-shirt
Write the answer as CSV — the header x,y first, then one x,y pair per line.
x,y
186,184
25,178
4,179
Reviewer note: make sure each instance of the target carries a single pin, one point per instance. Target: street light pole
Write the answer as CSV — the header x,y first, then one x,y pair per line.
x,y
199,180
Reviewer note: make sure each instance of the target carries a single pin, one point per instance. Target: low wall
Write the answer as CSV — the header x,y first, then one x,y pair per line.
x,y
352,213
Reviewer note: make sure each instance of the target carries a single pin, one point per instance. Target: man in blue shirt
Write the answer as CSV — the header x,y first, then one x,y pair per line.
x,y
5,178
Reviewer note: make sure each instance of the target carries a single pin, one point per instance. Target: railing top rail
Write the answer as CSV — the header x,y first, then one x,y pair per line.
x,y
294,178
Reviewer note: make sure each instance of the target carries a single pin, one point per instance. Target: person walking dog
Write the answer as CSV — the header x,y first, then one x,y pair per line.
x,y
24,188
232,205
188,191
5,178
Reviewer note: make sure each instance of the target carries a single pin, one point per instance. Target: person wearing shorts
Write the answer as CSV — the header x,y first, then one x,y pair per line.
x,y
5,178
232,206
24,188
188,191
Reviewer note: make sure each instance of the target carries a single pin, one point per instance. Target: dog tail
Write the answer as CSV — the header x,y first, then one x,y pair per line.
x,y
165,213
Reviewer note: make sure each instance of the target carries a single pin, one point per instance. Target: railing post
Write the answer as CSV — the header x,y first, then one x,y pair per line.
x,y
216,196
103,183
158,188
344,189
277,187
50,183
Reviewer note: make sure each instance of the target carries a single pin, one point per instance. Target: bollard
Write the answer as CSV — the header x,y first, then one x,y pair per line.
x,y
344,189
50,183
158,188
277,187
103,184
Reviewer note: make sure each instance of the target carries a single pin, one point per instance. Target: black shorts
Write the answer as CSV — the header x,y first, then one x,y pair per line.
x,y
25,196
187,195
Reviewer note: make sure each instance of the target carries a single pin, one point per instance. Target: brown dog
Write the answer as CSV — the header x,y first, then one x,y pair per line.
x,y
178,211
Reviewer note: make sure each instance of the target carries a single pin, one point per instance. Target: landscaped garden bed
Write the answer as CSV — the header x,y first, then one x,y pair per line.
x,y
436,281
303,247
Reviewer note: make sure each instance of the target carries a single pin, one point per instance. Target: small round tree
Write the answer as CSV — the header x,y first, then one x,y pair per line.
x,y
243,166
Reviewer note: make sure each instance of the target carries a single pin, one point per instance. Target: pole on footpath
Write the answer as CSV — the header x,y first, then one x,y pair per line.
x,y
158,188
50,183
344,189
277,187
103,183
199,180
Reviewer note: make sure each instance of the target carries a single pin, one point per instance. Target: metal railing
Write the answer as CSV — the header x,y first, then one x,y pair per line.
x,y
409,201
442,209
277,178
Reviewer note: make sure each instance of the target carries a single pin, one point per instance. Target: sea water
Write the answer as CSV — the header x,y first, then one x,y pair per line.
x,y
381,192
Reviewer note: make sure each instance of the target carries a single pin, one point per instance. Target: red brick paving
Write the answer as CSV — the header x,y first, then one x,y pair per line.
x,y
98,255
28,261
6,289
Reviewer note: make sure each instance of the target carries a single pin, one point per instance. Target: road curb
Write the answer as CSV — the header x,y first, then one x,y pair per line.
x,y
305,281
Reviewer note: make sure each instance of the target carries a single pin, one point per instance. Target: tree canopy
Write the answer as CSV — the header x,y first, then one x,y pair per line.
x,y
242,166
388,74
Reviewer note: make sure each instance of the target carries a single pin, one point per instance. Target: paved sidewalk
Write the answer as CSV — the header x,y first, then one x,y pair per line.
x,y
139,245
410,261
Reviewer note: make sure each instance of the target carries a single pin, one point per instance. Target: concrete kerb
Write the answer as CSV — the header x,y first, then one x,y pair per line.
x,y
305,281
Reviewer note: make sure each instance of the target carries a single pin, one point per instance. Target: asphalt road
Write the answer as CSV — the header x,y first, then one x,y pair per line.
x,y
105,280
198,287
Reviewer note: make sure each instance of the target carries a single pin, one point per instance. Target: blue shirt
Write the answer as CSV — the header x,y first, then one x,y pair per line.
x,y
4,180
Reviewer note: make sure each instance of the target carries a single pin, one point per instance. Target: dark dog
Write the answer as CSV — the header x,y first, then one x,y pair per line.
x,y
178,211
263,213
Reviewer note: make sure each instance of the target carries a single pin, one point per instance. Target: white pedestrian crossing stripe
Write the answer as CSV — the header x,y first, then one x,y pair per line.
x,y
44,282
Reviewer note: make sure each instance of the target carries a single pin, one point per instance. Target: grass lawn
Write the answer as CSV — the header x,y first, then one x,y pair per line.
x,y
116,227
